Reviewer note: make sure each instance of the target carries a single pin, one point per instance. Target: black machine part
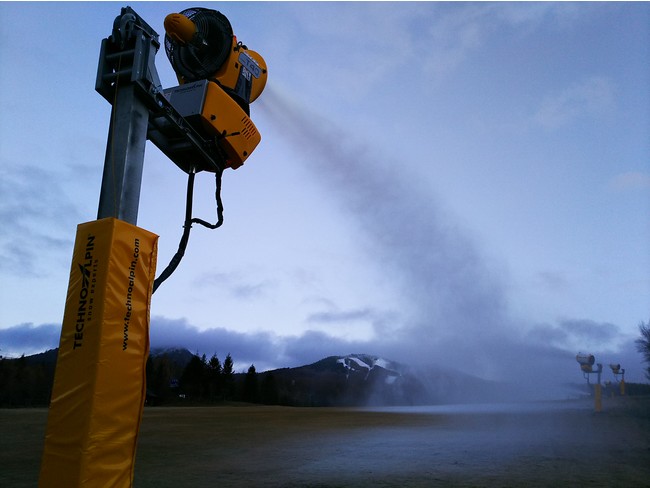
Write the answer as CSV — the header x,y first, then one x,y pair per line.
x,y
206,53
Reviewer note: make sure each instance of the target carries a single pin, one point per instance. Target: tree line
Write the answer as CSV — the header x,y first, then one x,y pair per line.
x,y
24,383
27,381
200,380
206,380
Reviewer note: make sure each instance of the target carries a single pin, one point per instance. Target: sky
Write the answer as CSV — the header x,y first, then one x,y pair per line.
x,y
458,184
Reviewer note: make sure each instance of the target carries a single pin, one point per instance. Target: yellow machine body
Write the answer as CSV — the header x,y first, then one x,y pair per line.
x,y
228,74
209,108
183,31
236,131
99,385
202,48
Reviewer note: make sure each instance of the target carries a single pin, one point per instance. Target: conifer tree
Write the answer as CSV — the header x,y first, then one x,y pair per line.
x,y
214,378
193,377
269,390
162,378
250,393
228,378
643,345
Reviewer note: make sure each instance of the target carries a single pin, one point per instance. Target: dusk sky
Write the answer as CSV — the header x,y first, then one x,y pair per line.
x,y
461,184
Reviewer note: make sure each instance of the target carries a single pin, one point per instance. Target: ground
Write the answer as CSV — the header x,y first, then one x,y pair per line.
x,y
551,444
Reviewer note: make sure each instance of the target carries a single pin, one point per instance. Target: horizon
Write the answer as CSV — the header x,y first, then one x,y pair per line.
x,y
241,368
460,184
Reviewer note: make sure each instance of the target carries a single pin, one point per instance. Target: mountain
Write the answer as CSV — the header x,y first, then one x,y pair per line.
x,y
354,364
366,380
355,379
27,381
48,357
177,356
176,376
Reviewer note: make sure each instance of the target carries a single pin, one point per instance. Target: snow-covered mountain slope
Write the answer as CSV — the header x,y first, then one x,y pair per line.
x,y
368,365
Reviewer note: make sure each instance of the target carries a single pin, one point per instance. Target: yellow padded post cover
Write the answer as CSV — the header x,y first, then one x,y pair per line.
x,y
99,385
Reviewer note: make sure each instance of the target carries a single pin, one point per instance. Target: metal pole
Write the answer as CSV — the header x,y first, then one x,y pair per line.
x,y
123,165
622,384
598,405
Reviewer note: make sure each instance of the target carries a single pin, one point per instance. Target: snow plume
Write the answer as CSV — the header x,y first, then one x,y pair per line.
x,y
457,303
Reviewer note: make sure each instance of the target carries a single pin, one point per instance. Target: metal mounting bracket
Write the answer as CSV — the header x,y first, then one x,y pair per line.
x,y
127,78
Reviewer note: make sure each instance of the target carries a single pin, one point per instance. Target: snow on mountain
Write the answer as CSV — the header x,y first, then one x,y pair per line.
x,y
359,362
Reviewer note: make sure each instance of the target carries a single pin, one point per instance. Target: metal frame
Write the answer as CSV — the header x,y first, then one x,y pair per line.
x,y
127,78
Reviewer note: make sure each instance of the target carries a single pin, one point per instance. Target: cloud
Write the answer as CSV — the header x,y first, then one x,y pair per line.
x,y
540,354
630,181
344,316
451,38
264,349
547,334
245,347
235,285
359,46
28,339
367,323
35,212
518,14
590,331
553,281
455,33
579,335
310,346
588,97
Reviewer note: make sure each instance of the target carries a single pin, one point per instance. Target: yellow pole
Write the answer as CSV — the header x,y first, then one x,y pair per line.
x,y
99,384
598,405
622,386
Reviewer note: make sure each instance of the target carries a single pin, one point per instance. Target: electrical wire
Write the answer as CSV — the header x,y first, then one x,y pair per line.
x,y
217,196
187,226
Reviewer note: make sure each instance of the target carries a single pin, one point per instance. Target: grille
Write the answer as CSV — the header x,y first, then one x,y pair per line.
x,y
248,130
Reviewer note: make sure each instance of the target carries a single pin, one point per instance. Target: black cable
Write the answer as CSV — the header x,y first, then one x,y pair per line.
x,y
187,226
217,195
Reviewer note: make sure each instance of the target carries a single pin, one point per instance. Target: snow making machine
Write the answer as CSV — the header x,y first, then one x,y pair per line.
x,y
203,124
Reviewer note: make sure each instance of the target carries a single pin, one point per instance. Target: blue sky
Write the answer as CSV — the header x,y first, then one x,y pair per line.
x,y
466,184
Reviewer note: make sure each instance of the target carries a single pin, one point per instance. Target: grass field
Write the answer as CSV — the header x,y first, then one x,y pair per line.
x,y
255,446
